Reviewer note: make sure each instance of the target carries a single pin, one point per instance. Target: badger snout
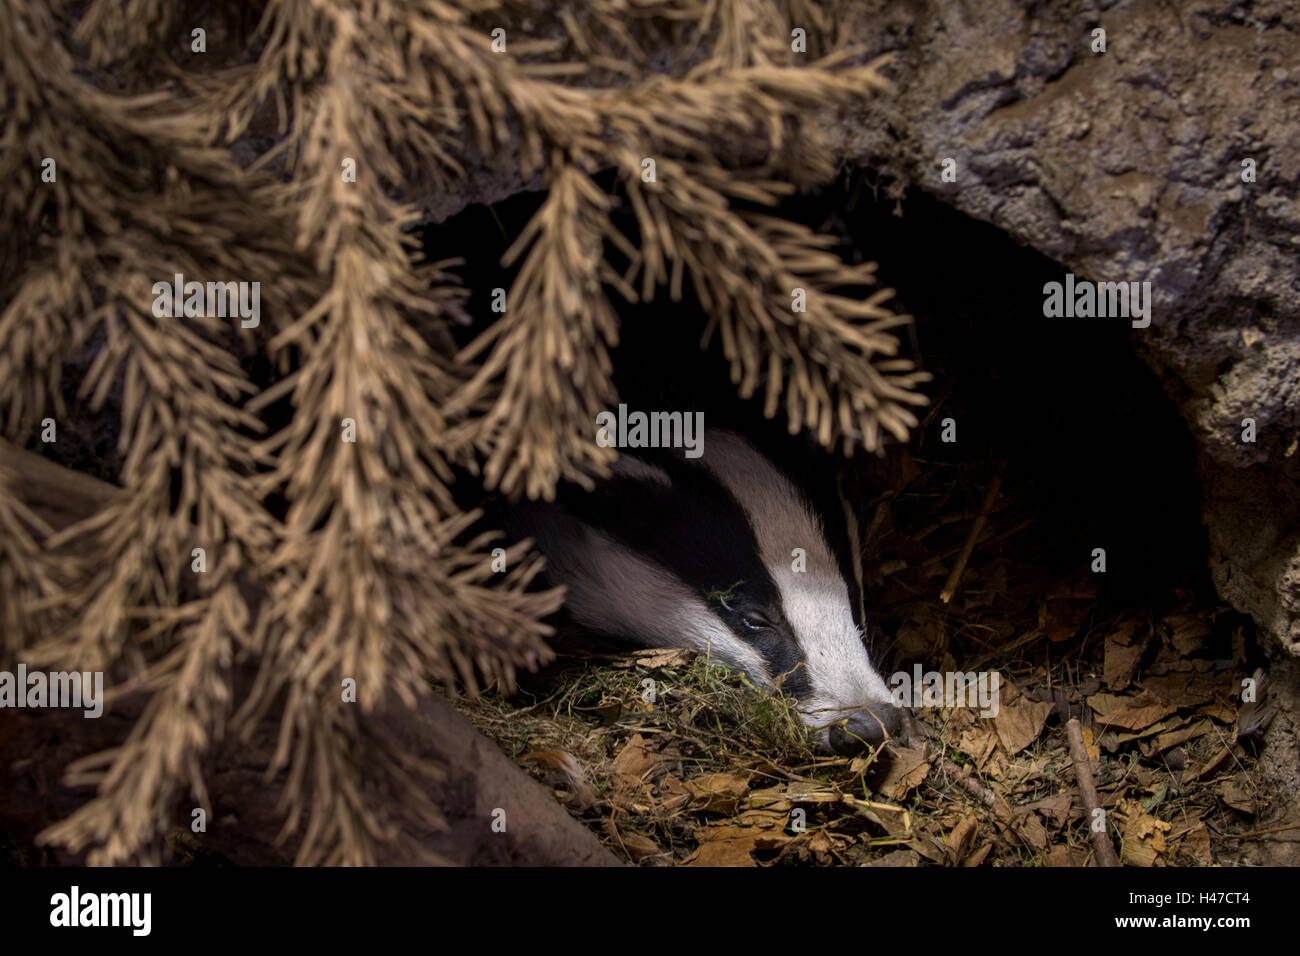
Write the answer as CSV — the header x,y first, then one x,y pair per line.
x,y
870,726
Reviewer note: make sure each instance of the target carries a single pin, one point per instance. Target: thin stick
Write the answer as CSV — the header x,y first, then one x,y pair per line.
x,y
955,575
1258,833
1088,789
966,777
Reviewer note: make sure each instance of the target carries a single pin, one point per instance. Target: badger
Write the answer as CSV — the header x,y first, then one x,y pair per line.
x,y
725,555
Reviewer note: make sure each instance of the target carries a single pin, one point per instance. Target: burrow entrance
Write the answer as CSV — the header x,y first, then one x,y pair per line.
x,y
1089,454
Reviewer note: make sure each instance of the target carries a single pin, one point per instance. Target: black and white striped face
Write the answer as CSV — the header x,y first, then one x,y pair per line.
x,y
721,554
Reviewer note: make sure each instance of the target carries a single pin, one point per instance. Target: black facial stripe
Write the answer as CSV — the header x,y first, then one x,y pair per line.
x,y
785,662
696,529
812,477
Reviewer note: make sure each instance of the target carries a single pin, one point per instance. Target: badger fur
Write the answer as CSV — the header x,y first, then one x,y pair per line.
x,y
701,553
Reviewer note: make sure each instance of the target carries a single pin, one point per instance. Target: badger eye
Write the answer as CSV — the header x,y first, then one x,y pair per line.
x,y
755,623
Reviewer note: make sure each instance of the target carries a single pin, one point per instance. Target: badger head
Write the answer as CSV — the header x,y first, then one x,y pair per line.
x,y
797,615
722,554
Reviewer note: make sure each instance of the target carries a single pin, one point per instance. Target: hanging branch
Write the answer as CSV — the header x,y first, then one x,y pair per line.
x,y
550,348
342,510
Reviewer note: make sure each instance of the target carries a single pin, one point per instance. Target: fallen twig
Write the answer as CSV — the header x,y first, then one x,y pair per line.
x,y
966,777
1259,833
1088,790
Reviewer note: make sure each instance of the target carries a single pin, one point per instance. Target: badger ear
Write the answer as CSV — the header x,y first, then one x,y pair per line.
x,y
854,533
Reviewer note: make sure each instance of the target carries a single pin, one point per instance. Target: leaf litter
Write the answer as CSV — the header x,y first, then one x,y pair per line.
x,y
673,760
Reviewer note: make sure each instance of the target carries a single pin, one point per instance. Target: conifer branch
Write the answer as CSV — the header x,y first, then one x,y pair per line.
x,y
370,566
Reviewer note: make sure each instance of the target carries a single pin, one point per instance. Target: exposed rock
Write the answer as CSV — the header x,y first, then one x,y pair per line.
x,y
1127,165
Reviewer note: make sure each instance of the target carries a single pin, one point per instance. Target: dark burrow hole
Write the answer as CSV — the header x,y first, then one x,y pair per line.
x,y
1093,453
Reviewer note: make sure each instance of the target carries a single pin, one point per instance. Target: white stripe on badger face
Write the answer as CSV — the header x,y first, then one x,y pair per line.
x,y
816,601
615,590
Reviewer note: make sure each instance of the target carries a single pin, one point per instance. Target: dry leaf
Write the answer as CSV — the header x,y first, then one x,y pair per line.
x,y
632,764
1197,843
977,858
961,838
1056,809
669,657
564,765
1062,855
638,845
1223,713
1187,633
1018,724
907,769
1192,689
1235,797
726,846
1128,713
929,847
978,742
718,792
1121,662
1030,830
1175,737
1144,835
